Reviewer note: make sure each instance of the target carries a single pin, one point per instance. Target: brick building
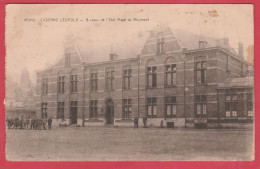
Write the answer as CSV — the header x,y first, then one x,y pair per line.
x,y
166,82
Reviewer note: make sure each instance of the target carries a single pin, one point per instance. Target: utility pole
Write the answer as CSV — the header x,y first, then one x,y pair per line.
x,y
83,99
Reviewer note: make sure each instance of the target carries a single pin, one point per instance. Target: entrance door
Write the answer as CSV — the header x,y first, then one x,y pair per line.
x,y
110,111
74,112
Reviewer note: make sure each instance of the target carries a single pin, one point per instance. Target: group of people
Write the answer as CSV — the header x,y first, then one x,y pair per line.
x,y
29,124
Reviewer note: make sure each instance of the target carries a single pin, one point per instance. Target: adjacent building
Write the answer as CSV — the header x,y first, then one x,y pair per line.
x,y
165,83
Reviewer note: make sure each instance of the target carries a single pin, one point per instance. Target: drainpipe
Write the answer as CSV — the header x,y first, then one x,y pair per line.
x,y
138,99
218,108
185,91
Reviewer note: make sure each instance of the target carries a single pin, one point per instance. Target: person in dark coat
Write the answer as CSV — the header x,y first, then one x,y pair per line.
x,y
49,123
136,122
144,121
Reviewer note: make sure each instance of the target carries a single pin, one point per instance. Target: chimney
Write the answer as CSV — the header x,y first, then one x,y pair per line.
x,y
202,44
240,50
113,56
226,43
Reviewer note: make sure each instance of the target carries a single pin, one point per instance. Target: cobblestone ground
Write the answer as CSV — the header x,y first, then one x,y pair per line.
x,y
128,144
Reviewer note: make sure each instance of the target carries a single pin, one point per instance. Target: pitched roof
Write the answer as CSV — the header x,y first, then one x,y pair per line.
x,y
94,51
241,82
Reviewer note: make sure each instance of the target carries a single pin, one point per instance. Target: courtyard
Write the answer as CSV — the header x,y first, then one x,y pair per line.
x,y
128,144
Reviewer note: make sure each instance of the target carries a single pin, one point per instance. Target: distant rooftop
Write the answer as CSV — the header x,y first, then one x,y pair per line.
x,y
241,82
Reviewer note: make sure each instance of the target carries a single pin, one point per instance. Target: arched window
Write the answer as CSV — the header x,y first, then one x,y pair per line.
x,y
160,43
151,74
94,80
61,82
127,74
200,69
170,72
73,81
110,79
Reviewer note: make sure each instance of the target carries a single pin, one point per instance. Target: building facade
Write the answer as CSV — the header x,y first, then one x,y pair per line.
x,y
164,83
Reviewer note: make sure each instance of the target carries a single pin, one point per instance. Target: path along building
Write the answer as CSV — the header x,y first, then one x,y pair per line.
x,y
165,83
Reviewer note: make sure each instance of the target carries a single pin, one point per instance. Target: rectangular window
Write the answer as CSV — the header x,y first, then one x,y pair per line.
x,y
170,75
250,96
60,113
127,73
204,109
234,97
227,113
44,114
228,98
231,105
93,109
151,76
198,109
231,109
234,110
201,72
250,111
94,81
160,45
151,107
61,84
73,83
73,104
127,108
109,80
170,106
44,85
201,105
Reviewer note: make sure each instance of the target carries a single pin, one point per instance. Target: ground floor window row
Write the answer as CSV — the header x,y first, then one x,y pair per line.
x,y
231,109
200,107
232,104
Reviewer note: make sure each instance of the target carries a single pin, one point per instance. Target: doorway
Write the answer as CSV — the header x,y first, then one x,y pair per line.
x,y
74,112
109,111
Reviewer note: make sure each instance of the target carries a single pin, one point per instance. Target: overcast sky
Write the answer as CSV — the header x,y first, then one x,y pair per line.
x,y
36,44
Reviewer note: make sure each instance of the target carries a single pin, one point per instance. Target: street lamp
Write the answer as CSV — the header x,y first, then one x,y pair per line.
x,y
186,89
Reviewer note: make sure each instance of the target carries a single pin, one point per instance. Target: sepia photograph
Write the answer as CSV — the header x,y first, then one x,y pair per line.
x,y
129,82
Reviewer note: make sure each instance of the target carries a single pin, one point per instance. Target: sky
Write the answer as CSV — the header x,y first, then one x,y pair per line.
x,y
38,43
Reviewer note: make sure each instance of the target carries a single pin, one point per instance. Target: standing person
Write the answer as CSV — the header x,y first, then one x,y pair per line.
x,y
44,121
135,122
49,123
144,121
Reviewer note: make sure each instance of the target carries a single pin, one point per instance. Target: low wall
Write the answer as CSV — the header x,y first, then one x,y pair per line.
x,y
156,122
94,122
152,122
124,122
